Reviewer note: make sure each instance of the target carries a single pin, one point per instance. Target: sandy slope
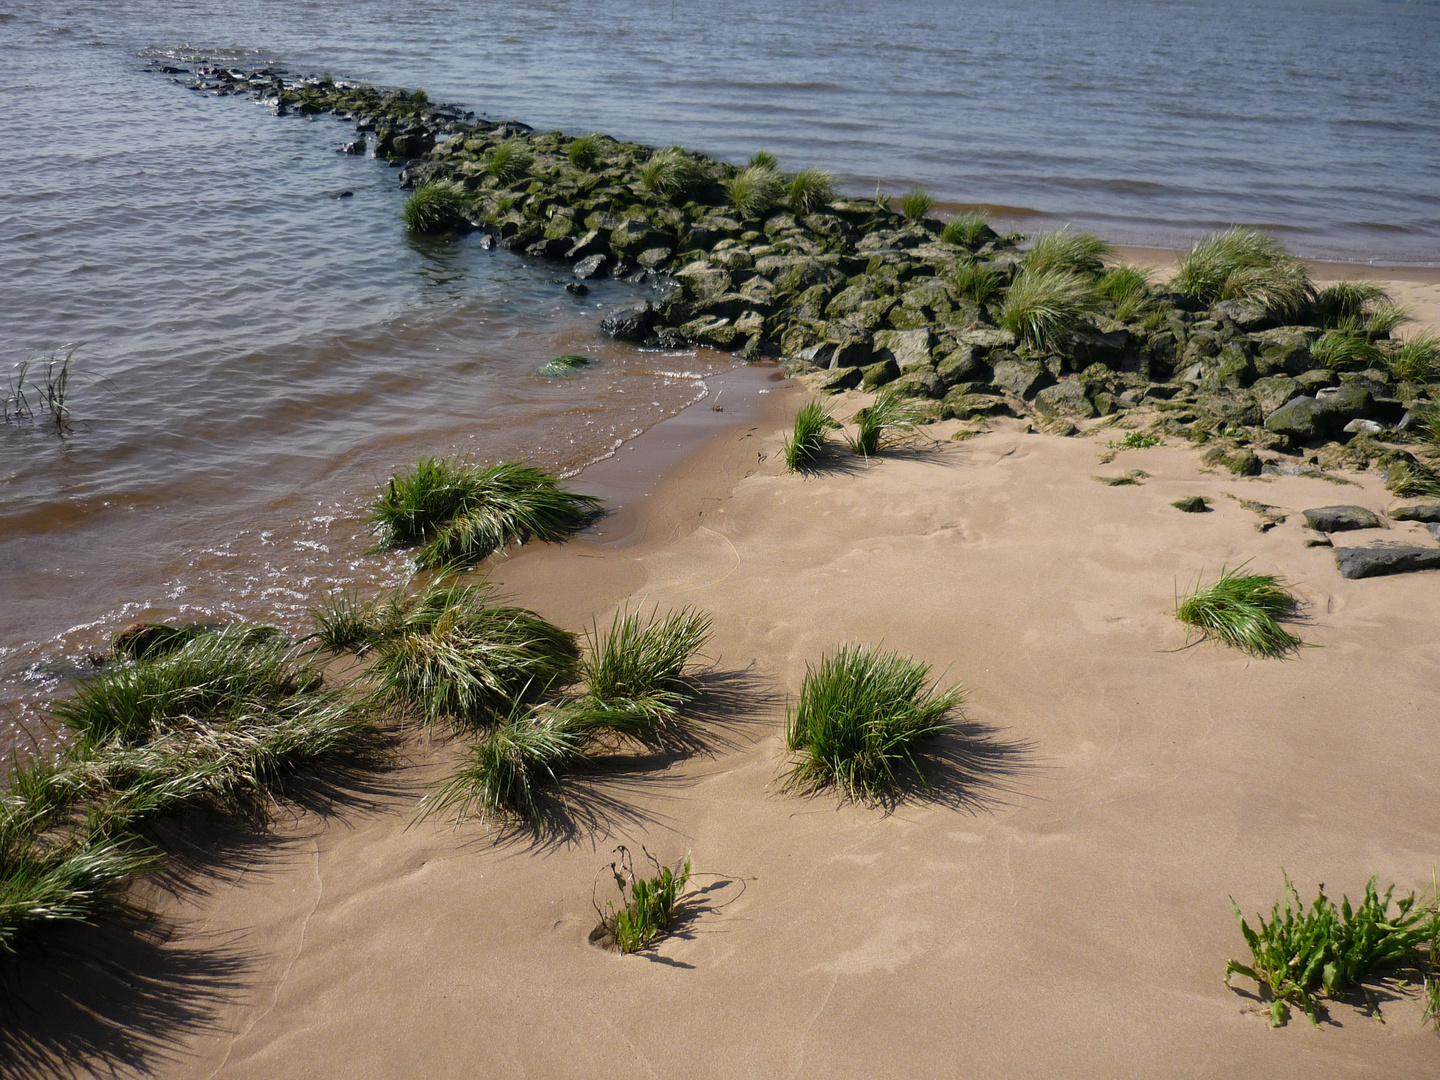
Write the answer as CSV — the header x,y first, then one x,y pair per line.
x,y
1057,906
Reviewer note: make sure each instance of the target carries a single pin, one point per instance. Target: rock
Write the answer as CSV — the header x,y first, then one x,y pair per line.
x,y
986,340
1273,391
1065,399
1368,427
1329,519
1311,381
854,352
1022,377
1244,463
1194,504
879,374
1321,417
355,146
1376,561
1245,314
632,325
142,640
651,258
1093,347
962,365
574,288
1427,512
589,245
831,380
588,267
966,406
919,383
910,349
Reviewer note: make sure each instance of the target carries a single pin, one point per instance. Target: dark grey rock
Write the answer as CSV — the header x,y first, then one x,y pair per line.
x,y
1331,519
632,325
1426,512
854,353
574,288
1320,417
1065,399
588,267
1022,377
1377,561
1194,504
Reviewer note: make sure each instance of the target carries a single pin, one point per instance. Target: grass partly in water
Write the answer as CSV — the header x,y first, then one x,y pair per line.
x,y
560,366
1243,610
436,207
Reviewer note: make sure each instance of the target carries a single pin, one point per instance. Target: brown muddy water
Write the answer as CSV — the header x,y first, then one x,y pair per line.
x,y
254,353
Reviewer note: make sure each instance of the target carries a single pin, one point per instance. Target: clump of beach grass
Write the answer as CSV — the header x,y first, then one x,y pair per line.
x,y
1298,954
968,229
763,159
560,366
809,190
1043,306
508,161
978,281
917,203
344,622
669,173
583,151
1346,349
1415,359
755,190
464,513
1347,302
436,207
889,415
1080,253
1243,610
807,439
860,720
1245,264
1127,288
648,905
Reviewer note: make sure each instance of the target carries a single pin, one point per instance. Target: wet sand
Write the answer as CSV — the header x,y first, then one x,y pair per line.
x,y
1057,904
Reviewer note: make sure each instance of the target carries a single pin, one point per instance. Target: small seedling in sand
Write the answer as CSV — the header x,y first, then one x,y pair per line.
x,y
561,366
647,905
1133,476
1299,954
1242,610
803,447
968,229
464,513
1136,440
810,190
1192,504
436,207
860,719
888,415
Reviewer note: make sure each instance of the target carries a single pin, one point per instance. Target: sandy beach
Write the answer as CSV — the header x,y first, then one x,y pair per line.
x,y
1056,905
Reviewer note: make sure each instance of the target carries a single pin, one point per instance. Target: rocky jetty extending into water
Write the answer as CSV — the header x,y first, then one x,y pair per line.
x,y
851,293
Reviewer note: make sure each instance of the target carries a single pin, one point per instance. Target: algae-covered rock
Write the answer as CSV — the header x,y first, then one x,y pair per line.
x,y
1325,416
1427,512
877,375
910,349
1066,398
1193,504
1273,391
1021,377
962,365
921,383
1329,519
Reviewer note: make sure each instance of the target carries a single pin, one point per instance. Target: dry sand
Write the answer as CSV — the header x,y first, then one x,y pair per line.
x,y
1056,907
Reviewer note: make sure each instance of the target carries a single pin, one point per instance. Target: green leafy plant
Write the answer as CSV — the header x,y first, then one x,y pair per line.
x,y
647,904
1042,306
436,207
755,190
809,190
508,162
1243,610
889,415
969,229
1135,440
464,513
561,366
1244,264
860,719
670,173
807,439
1298,954
978,281
583,151
1079,253
917,203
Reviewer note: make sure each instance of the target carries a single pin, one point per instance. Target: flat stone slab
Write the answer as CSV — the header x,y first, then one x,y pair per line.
x,y
1429,513
1375,561
1331,519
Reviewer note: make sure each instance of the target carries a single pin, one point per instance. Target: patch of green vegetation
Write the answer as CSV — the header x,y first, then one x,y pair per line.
x,y
669,173
1416,359
1136,440
860,722
1298,954
508,162
1079,253
465,513
560,366
436,207
810,190
978,282
1127,288
648,905
1042,306
764,159
420,97
1385,318
969,229
889,415
1411,480
1243,610
1348,302
1245,264
1346,350
344,623
917,203
755,190
583,151
807,440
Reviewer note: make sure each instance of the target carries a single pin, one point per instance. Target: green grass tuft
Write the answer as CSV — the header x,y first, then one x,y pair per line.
x,y
917,203
810,190
803,446
647,905
670,173
969,229
1079,253
1127,288
1416,359
1242,610
859,720
508,162
889,415
344,622
764,159
560,366
1385,318
436,207
1244,264
635,671
978,281
583,151
1043,306
754,191
1348,301
464,513
1346,350
1298,954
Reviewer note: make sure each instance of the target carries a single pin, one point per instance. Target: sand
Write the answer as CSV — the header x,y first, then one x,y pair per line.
x,y
1058,906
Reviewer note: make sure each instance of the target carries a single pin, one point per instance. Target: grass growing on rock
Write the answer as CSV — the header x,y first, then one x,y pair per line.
x,y
754,191
583,151
807,438
508,162
669,173
1042,306
978,282
860,720
1346,350
1243,610
1347,302
968,230
1298,954
1127,288
1416,359
809,190
889,415
917,203
1080,253
763,159
1245,264
647,904
436,207
465,513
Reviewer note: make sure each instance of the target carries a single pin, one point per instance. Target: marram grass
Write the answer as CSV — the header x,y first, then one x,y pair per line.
x,y
860,720
583,151
917,203
1243,610
1415,359
889,415
978,282
1347,301
1245,264
807,438
1080,253
1043,306
810,190
436,207
669,173
969,229
508,162
755,190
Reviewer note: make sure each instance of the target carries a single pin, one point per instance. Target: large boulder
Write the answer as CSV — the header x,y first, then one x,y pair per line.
x,y
1306,419
962,365
1331,519
1065,398
1273,391
910,349
1022,377
1428,512
633,324
1377,561
877,375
